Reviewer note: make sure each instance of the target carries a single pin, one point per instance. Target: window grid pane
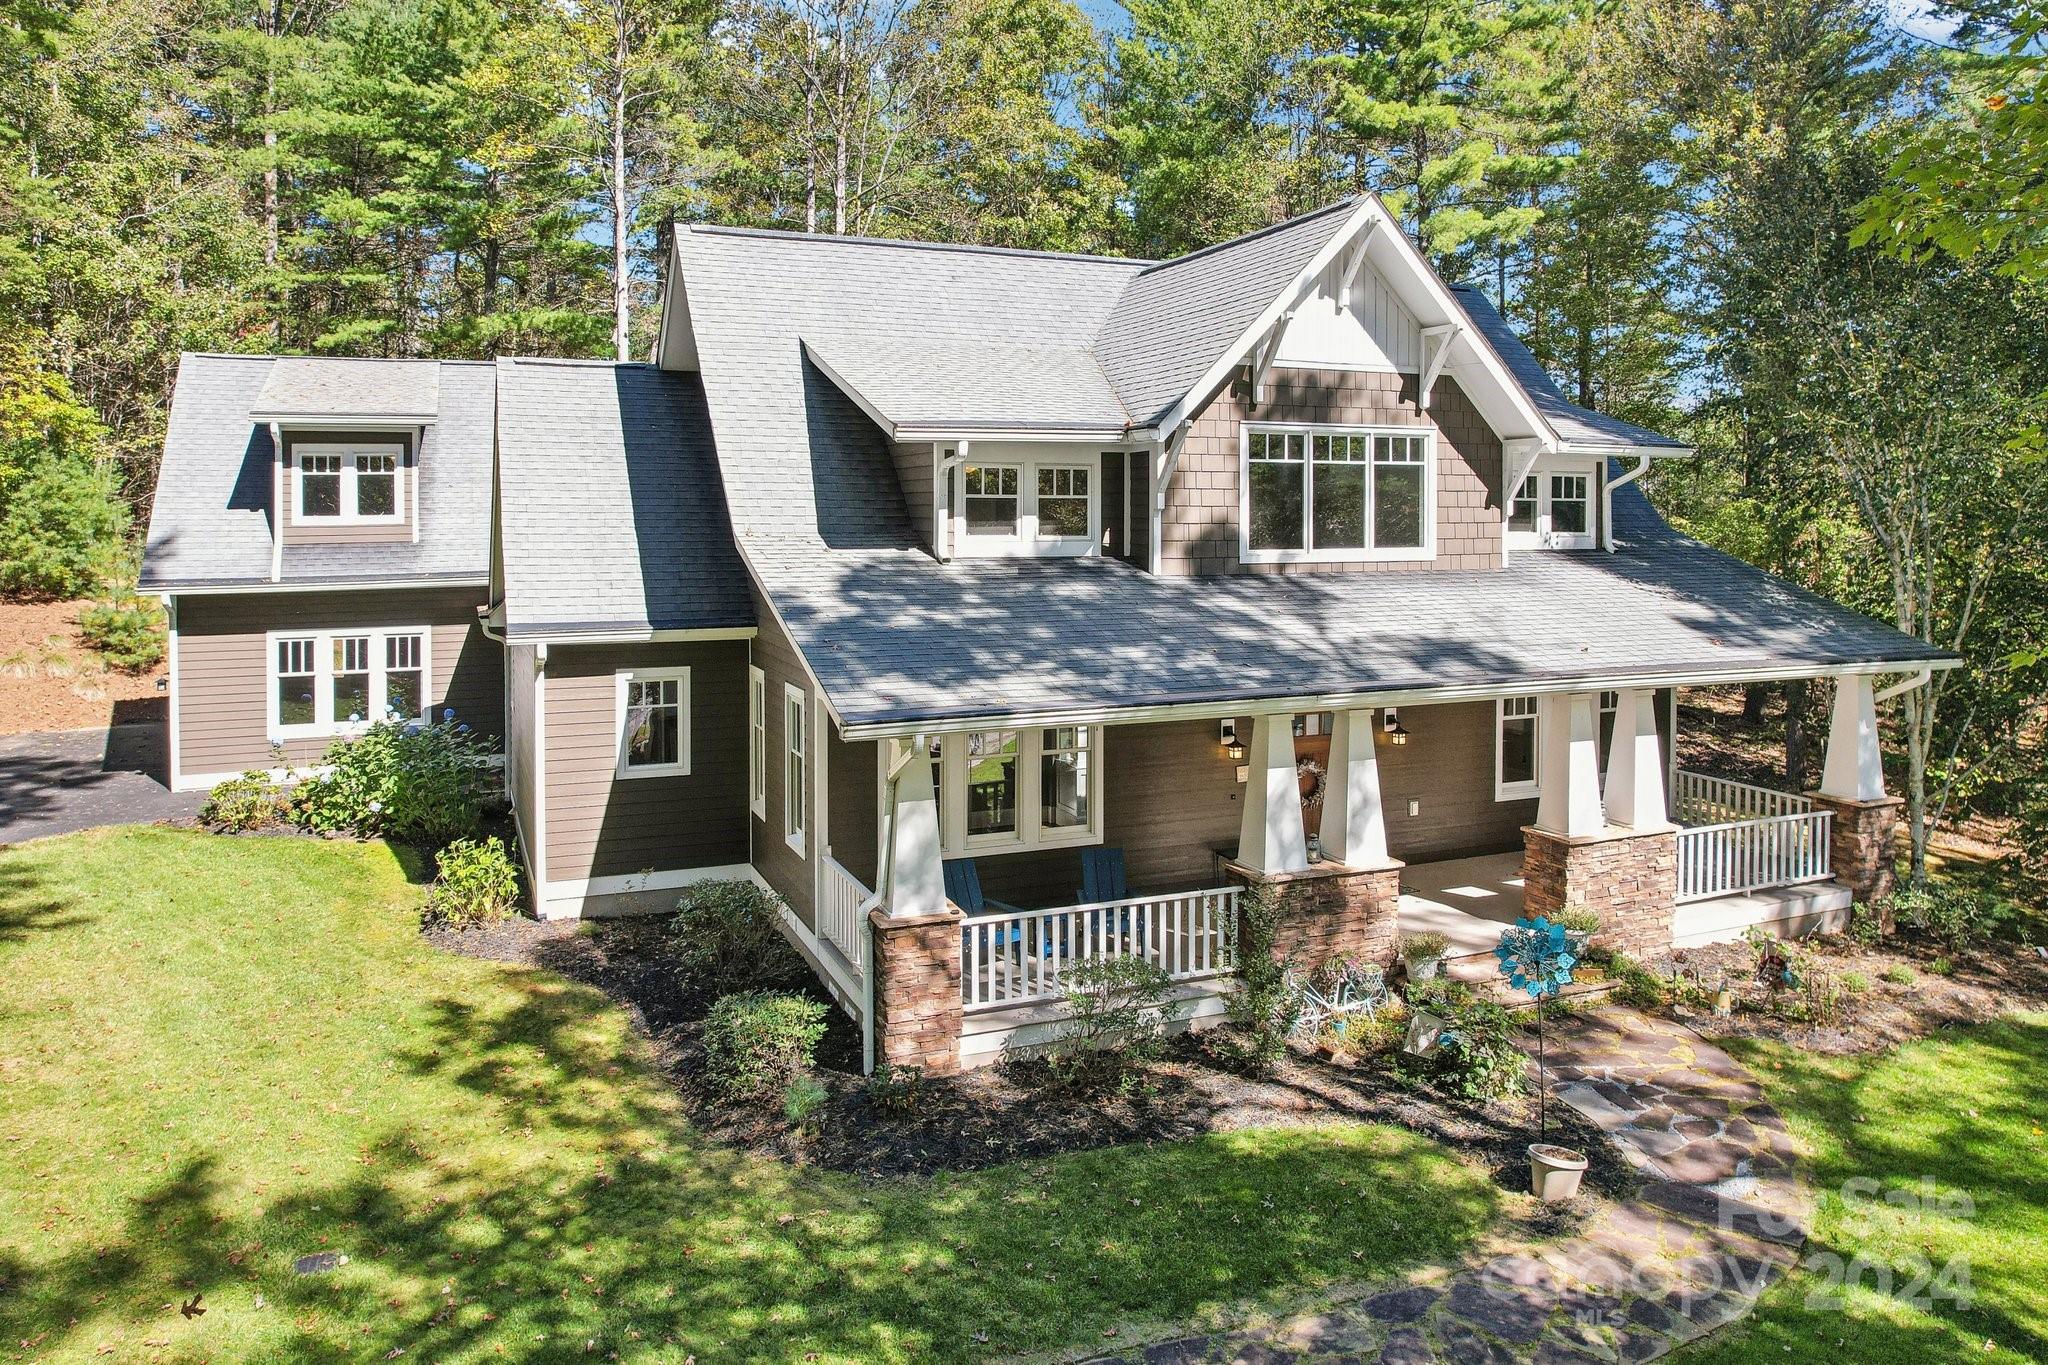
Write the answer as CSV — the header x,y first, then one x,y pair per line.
x,y
351,678
992,782
1064,778
295,682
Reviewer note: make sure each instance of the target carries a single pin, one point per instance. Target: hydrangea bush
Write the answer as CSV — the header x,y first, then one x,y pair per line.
x,y
408,780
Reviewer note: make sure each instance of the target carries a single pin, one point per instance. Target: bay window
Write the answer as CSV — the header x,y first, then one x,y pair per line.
x,y
332,682
1324,493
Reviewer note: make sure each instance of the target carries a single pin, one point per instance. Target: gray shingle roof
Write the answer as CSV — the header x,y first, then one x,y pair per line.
x,y
1572,423
1177,318
612,514
333,386
965,384
899,639
210,524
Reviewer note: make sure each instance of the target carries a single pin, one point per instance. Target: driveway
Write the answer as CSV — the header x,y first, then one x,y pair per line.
x,y
67,780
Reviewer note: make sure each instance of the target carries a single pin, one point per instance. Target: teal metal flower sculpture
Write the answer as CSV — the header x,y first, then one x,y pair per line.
x,y
1536,957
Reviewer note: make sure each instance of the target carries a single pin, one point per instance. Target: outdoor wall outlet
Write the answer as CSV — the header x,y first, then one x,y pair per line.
x,y
1415,805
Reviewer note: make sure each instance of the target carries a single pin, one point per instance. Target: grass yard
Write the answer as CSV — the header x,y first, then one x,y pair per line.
x,y
219,1055
1962,1113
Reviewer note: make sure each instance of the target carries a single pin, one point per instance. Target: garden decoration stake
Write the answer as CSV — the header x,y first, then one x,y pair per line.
x,y
1536,957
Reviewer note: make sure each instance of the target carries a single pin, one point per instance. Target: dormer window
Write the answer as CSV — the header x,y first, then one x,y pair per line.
x,y
349,484
1553,509
1025,502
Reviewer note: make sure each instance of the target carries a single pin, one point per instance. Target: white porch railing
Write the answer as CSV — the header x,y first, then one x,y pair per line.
x,y
1746,855
1703,799
1018,959
840,897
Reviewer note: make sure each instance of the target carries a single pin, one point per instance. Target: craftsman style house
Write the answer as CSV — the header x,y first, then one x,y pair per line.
x,y
1002,609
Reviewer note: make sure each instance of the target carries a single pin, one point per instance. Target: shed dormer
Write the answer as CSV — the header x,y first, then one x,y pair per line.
x,y
347,436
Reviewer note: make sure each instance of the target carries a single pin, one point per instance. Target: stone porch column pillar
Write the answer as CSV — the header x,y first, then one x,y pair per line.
x,y
916,960
1866,819
1270,836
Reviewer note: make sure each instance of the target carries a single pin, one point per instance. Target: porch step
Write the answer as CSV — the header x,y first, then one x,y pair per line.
x,y
1787,911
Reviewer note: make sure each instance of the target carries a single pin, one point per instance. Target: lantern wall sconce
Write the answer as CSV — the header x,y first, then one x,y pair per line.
x,y
1390,721
1233,747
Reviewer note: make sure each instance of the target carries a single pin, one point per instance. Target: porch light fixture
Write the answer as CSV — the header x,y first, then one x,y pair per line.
x,y
1390,721
1233,747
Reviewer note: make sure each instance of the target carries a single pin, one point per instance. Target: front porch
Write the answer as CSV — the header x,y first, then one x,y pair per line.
x,y
944,975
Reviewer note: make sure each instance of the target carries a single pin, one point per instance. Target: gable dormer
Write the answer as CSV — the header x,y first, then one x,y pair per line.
x,y
347,438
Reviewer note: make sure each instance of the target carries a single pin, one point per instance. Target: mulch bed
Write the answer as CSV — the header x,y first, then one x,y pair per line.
x,y
82,693
995,1115
1982,984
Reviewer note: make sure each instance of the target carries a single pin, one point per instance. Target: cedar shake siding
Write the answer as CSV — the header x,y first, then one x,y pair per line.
x,y
782,867
1199,529
915,471
224,668
602,825
375,533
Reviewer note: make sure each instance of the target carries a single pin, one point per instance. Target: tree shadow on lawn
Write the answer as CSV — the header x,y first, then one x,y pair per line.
x,y
582,1210
28,907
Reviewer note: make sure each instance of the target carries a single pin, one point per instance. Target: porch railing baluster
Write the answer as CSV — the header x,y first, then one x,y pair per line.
x,y
1025,957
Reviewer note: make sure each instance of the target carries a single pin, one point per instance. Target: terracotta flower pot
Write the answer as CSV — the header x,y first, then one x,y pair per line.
x,y
1554,1171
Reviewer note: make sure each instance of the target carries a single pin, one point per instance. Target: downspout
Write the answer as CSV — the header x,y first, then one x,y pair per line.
x,y
1607,500
1918,680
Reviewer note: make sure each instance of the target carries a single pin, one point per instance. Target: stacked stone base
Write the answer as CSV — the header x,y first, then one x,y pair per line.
x,y
1331,910
1627,877
917,990
1861,844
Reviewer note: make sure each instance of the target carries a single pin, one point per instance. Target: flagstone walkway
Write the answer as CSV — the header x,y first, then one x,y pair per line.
x,y
1723,1213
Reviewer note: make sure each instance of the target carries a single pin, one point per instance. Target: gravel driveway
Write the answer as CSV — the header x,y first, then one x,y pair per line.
x,y
66,780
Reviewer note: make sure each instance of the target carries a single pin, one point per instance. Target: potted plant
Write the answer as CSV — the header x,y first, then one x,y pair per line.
x,y
1580,924
1536,956
1424,954
1428,1017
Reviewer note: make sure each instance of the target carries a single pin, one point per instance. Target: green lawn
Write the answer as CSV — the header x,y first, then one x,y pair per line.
x,y
1962,1114
218,1055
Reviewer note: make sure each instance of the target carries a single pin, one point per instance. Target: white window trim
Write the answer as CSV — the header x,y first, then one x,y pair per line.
x,y
794,816
1027,542
349,455
757,742
324,723
1543,538
1516,791
1247,555
953,765
621,680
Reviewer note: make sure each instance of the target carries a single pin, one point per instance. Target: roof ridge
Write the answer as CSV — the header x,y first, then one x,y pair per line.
x,y
850,239
1348,201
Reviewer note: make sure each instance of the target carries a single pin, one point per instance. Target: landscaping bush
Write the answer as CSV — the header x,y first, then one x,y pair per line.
x,y
726,939
1899,974
895,1090
802,1098
428,782
1638,985
475,884
1856,983
251,801
757,1042
1950,915
126,631
1118,1012
1265,1007
1476,1057
61,532
1422,947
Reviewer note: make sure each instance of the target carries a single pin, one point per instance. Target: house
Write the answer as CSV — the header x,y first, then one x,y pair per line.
x,y
1003,609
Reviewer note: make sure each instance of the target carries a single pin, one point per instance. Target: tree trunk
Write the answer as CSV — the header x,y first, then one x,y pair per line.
x,y
1753,695
810,160
1795,734
1586,344
622,346
1916,788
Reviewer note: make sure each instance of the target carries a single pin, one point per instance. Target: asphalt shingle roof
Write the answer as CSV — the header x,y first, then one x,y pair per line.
x,y
334,386
611,507
210,524
966,384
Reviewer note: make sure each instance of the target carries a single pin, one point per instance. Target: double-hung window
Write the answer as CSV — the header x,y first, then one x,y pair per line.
x,y
1022,501
653,716
795,759
757,742
1008,790
1553,509
331,682
1325,493
1515,748
989,499
348,484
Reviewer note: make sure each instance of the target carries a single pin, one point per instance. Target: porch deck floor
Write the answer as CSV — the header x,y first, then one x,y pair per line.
x,y
1467,900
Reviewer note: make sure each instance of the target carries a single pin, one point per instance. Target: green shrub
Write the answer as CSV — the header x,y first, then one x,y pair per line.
x,y
802,1098
1639,986
896,1090
251,801
1821,998
1942,966
1265,1007
1578,920
726,939
1856,983
1423,946
1899,974
1476,1057
1950,915
757,1042
475,884
62,531
126,631
429,782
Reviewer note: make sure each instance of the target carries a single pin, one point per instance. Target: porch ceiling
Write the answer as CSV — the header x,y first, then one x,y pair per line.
x,y
900,641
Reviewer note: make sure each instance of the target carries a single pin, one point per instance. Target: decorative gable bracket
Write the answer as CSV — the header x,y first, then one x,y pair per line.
x,y
1436,346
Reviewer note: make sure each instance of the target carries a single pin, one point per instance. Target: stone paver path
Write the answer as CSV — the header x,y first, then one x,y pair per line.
x,y
1723,1213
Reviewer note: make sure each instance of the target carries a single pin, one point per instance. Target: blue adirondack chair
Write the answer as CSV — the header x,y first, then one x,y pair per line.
x,y
963,888
1103,879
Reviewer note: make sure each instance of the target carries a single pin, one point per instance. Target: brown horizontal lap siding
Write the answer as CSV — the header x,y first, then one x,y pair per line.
x,y
1447,765
779,865
378,533
224,665
1199,528
602,825
852,803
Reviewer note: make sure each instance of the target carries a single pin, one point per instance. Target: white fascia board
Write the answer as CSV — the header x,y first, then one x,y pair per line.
x,y
633,637
1116,437
1626,452
315,585
1228,708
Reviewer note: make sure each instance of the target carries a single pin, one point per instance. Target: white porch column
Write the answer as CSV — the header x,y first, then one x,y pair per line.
x,y
917,881
1855,765
1270,839
1354,826
1635,763
1569,766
